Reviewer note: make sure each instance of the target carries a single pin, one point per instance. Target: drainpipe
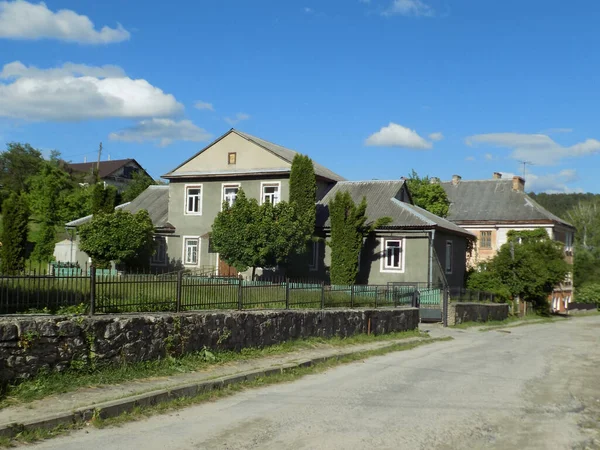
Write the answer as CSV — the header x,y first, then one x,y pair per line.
x,y
431,257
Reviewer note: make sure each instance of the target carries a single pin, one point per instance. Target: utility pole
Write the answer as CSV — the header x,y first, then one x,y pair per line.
x,y
98,165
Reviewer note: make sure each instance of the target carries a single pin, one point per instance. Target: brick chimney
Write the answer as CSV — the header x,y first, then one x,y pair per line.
x,y
456,179
497,175
434,180
518,184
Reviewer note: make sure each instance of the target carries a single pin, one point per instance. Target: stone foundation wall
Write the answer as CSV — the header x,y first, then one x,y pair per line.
x,y
29,344
476,312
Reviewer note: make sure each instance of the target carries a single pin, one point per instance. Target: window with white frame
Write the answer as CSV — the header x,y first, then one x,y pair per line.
x,y
230,192
449,256
270,193
392,255
191,249
159,258
314,256
193,195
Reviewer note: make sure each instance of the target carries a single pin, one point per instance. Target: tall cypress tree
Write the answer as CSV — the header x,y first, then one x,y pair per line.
x,y
303,197
14,233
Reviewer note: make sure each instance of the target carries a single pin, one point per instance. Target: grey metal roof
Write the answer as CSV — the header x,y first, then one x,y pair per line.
x,y
383,200
155,200
494,201
284,153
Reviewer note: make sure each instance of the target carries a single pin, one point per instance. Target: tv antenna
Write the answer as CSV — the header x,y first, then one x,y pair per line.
x,y
525,164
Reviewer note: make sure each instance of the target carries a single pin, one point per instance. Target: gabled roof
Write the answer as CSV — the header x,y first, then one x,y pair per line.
x,y
155,200
383,200
284,153
105,169
494,200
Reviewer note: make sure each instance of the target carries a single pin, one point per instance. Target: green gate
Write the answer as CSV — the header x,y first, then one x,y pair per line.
x,y
431,304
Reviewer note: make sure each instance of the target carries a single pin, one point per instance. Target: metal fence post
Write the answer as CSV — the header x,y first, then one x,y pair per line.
x,y
287,294
352,296
376,292
92,290
323,295
179,289
240,296
445,307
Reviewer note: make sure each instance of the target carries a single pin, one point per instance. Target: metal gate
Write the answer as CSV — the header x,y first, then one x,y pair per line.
x,y
429,299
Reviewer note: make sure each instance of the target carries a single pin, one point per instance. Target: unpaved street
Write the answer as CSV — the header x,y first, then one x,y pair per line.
x,y
535,387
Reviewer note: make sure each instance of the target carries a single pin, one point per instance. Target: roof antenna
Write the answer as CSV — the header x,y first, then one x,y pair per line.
x,y
525,164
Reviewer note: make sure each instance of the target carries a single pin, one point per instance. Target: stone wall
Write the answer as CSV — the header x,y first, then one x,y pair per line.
x,y
476,312
29,344
578,308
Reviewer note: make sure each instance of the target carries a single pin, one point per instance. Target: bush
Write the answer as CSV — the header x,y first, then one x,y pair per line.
x,y
589,293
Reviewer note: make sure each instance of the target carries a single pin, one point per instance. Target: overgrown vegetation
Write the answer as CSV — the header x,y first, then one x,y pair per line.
x,y
528,266
14,233
427,195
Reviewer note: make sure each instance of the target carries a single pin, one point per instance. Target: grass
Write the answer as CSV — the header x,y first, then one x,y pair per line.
x,y
511,321
138,413
45,385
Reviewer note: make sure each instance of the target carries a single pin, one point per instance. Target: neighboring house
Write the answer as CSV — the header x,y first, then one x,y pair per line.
x,y
491,208
155,200
117,173
416,246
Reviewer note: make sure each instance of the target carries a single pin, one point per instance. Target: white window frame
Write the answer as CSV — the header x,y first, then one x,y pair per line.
x,y
265,184
184,255
157,262
313,266
384,267
186,197
450,260
228,185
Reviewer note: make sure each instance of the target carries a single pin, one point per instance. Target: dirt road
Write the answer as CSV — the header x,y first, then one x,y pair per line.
x,y
535,387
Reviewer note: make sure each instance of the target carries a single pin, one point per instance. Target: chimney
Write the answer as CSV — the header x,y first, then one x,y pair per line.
x,y
497,175
85,159
434,180
456,179
518,184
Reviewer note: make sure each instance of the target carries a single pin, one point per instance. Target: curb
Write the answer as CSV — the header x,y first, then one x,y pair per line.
x,y
117,407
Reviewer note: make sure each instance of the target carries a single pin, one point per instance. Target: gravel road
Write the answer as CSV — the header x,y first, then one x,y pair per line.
x,y
534,387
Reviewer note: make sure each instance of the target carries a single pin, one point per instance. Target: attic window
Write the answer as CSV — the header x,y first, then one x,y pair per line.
x,y
231,158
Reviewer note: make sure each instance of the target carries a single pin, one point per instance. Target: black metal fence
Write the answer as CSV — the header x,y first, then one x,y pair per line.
x,y
99,292
459,294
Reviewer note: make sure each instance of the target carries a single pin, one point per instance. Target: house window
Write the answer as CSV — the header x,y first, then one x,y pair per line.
x,y
231,158
393,255
270,193
314,257
193,196
449,256
485,240
159,258
230,192
190,249
569,242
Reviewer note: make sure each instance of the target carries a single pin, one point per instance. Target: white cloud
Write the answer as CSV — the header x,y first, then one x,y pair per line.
x,y
550,182
162,131
539,149
204,105
489,156
409,8
438,136
239,117
23,20
470,158
395,135
308,10
75,92
556,130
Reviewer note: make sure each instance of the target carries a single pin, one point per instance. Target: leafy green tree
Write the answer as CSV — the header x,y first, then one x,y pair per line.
x,y
140,183
589,293
122,237
77,203
529,265
104,199
303,191
17,164
14,233
427,195
348,228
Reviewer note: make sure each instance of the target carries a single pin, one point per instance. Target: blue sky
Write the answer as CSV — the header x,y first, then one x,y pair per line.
x,y
371,89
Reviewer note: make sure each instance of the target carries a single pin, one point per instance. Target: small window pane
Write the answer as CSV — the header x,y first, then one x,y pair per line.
x,y
393,253
193,199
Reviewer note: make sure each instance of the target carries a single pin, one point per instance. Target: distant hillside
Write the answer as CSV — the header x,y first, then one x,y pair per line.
x,y
560,204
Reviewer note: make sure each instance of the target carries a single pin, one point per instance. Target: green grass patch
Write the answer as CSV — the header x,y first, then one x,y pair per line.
x,y
138,413
48,384
511,321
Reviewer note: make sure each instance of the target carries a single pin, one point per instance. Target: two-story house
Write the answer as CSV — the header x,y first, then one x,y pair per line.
x,y
491,208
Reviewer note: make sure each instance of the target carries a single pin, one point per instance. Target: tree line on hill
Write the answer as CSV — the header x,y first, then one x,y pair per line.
x,y
39,195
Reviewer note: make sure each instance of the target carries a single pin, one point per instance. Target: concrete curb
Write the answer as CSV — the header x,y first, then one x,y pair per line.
x,y
114,408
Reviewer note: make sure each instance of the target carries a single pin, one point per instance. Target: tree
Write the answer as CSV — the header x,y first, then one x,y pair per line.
x,y
303,191
103,198
529,265
78,203
348,228
14,233
17,164
140,183
427,195
122,237
589,293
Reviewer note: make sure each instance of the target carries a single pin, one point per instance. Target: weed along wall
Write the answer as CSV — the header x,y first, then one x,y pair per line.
x,y
476,312
31,344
